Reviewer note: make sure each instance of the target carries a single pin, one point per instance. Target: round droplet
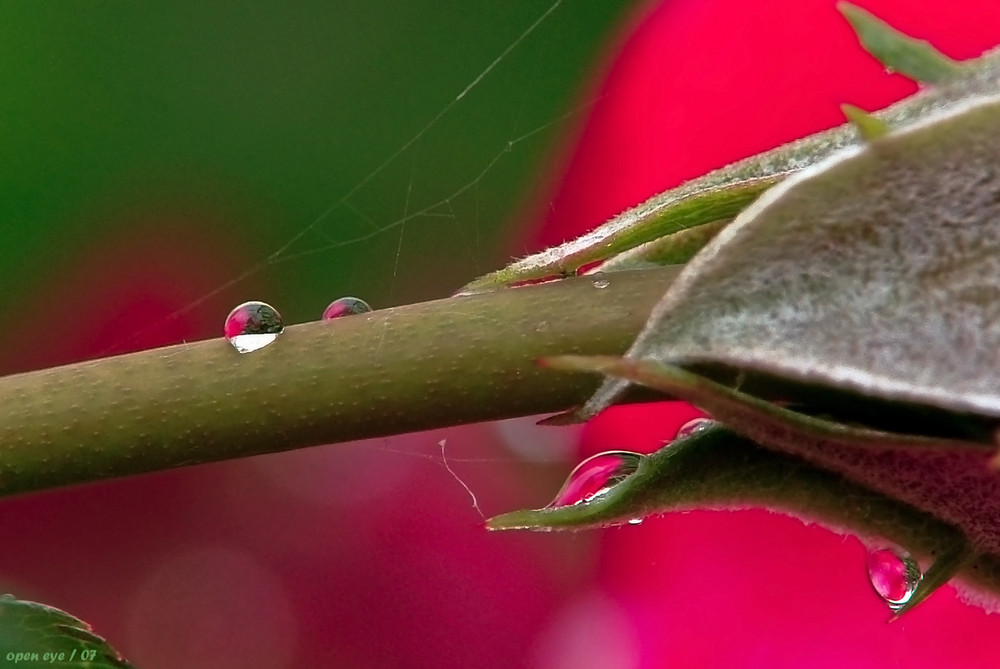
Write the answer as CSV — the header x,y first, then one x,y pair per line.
x,y
252,326
894,576
346,306
600,281
694,426
595,476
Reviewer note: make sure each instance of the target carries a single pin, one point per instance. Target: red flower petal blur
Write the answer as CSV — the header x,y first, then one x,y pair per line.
x,y
695,86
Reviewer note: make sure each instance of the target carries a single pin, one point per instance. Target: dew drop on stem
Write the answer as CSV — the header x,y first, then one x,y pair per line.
x,y
345,306
253,325
894,576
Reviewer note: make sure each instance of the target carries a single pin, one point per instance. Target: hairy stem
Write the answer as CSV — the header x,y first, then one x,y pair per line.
x,y
416,367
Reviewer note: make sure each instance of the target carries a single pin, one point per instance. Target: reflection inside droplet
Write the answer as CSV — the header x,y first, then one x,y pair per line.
x,y
595,476
694,426
894,576
252,326
345,306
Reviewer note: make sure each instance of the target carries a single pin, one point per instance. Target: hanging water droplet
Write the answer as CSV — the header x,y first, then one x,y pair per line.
x,y
600,281
345,306
595,476
694,426
894,576
252,326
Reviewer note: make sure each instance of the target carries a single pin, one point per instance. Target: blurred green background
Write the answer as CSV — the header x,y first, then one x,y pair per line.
x,y
212,137
161,163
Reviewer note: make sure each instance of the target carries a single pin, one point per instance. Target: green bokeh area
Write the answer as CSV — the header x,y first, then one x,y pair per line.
x,y
271,113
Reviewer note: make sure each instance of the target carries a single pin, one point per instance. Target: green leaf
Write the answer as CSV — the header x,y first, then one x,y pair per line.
x,y
911,57
718,197
718,469
870,283
877,273
843,329
36,635
675,249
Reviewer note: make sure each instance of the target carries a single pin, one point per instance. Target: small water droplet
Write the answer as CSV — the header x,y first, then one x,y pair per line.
x,y
600,281
694,426
894,575
635,521
595,476
345,306
252,326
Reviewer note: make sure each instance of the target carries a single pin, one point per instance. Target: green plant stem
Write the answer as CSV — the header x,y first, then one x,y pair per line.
x,y
416,367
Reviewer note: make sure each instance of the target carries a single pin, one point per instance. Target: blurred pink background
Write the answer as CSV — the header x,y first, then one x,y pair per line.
x,y
372,554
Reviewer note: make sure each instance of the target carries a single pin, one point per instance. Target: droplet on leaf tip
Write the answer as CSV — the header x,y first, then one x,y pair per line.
x,y
894,576
252,325
345,306
596,476
694,426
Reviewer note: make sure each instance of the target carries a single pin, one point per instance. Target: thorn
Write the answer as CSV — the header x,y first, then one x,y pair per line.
x,y
868,126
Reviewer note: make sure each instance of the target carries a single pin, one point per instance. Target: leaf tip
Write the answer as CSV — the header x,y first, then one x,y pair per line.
x,y
545,519
561,419
604,397
944,567
513,520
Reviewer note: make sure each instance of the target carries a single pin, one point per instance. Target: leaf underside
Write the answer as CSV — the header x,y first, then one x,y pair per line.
x,y
876,273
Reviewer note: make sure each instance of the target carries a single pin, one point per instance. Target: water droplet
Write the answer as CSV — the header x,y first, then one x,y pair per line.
x,y
894,575
694,426
635,521
346,306
252,326
600,281
595,476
